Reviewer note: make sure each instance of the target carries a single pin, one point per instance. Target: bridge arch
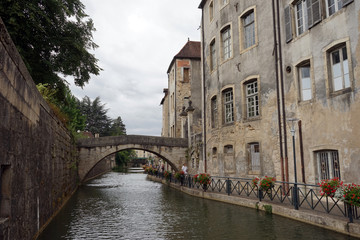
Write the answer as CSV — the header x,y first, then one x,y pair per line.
x,y
93,150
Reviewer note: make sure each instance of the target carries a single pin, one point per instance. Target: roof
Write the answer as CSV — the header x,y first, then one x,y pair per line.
x,y
202,3
191,50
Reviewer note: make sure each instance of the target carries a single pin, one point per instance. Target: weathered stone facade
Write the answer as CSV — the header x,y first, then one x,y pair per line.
x,y
182,115
317,67
38,161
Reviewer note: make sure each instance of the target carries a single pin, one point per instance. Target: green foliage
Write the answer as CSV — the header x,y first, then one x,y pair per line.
x,y
125,156
267,183
97,120
117,127
54,38
329,186
67,110
268,209
47,92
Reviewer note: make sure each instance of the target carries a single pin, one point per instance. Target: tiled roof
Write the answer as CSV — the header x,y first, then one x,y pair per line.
x,y
191,49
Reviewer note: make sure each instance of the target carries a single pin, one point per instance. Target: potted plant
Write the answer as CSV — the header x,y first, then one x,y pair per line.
x,y
328,187
255,182
167,175
180,176
267,183
204,179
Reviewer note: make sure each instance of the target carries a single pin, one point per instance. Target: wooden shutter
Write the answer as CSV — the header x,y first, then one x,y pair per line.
x,y
314,12
309,13
347,2
288,26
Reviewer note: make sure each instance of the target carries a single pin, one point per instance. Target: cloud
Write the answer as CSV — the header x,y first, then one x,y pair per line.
x,y
137,40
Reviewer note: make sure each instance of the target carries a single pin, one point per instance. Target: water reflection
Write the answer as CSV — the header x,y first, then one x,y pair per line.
x,y
127,206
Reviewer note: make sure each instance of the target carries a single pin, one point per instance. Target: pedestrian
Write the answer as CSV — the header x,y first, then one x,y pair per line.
x,y
184,168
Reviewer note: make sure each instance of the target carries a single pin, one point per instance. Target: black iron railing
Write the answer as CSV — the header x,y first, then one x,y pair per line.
x,y
299,196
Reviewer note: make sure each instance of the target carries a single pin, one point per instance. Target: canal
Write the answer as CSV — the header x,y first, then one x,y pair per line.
x,y
127,206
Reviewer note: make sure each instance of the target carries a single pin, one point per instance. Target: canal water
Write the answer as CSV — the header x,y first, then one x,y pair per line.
x,y
127,206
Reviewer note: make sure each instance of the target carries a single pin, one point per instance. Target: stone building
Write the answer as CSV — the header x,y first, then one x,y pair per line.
x,y
182,99
267,62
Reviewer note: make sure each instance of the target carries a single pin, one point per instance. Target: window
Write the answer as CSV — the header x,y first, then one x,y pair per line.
x,y
254,157
249,29
328,164
333,6
226,43
214,115
214,152
228,149
301,17
228,106
186,74
211,11
212,56
305,82
339,69
307,13
252,99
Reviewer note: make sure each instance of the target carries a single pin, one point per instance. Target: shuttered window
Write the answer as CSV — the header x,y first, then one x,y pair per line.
x,y
314,12
288,26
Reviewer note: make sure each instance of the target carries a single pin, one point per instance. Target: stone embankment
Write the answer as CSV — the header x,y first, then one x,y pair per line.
x,y
322,220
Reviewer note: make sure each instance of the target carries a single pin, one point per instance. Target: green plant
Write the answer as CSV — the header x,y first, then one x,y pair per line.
x,y
349,193
268,209
255,182
329,186
179,175
167,175
202,178
267,183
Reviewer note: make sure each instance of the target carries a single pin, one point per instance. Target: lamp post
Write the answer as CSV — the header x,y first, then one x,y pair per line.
x,y
292,122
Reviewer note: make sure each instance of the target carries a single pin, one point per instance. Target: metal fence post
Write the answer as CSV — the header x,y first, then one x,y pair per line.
x,y
228,186
350,213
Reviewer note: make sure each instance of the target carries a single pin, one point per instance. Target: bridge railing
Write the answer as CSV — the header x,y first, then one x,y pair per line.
x,y
296,195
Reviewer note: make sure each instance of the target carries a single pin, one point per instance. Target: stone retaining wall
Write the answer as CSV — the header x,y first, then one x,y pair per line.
x,y
38,168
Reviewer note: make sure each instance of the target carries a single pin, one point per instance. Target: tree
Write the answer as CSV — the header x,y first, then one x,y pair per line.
x,y
96,119
53,37
68,111
117,127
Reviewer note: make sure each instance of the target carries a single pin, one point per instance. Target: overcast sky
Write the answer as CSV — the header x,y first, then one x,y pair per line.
x,y
137,40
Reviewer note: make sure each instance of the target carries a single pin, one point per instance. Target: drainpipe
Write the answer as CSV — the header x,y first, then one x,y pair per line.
x,y
278,93
203,91
301,152
282,93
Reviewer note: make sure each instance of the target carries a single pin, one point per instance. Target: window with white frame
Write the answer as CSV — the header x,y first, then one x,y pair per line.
x,y
332,6
226,42
228,106
212,55
254,157
214,113
211,10
252,99
328,164
305,82
339,69
249,29
301,17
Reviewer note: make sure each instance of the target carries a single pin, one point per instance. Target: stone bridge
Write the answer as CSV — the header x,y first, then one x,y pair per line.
x,y
93,150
